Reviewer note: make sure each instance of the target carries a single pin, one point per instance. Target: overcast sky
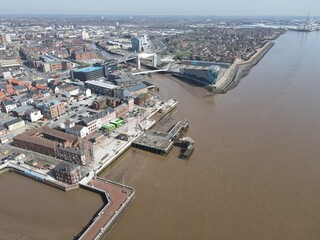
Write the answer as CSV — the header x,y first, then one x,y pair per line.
x,y
162,7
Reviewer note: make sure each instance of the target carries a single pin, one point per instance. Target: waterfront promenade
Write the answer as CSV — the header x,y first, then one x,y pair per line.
x,y
118,197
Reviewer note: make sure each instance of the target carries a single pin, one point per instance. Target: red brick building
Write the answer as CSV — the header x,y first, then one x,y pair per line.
x,y
79,56
67,172
55,143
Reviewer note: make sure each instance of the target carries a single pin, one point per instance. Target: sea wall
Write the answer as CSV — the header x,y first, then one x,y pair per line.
x,y
230,75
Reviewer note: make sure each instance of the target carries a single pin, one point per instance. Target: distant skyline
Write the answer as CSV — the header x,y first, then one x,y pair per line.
x,y
163,7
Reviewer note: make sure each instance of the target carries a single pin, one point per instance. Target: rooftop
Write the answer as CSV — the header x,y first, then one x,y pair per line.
x,y
137,87
66,167
101,84
12,122
155,139
87,69
22,108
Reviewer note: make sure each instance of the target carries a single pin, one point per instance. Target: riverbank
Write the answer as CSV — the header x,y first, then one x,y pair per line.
x,y
115,205
233,73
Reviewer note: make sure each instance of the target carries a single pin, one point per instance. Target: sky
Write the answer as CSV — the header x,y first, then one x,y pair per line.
x,y
163,7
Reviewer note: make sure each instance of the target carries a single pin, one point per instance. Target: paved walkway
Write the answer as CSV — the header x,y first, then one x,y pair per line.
x,y
118,196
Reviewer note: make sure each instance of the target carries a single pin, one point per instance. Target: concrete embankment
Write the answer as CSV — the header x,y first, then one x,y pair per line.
x,y
231,74
226,79
258,56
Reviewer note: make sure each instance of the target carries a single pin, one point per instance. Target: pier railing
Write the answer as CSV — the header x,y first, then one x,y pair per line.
x,y
104,231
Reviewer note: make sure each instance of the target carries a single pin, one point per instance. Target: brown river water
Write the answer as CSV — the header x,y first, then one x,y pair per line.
x,y
254,174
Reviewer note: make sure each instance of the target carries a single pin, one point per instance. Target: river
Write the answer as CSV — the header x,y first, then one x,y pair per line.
x,y
255,172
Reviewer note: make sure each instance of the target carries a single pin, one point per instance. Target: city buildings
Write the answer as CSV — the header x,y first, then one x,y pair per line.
x,y
84,35
92,124
14,124
102,88
55,143
67,172
52,109
7,106
135,90
206,75
88,73
56,66
3,135
140,44
33,115
76,130
21,111
84,55
5,39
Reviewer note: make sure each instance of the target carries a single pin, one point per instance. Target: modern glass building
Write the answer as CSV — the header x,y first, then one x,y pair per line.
x,y
88,73
206,75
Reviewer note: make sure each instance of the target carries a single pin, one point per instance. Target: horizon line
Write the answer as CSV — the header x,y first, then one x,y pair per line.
x,y
148,15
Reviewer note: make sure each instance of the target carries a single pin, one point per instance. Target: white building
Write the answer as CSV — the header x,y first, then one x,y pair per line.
x,y
7,106
76,130
33,115
88,93
84,35
8,38
140,44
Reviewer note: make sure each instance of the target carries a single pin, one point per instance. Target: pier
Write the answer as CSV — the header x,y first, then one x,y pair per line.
x,y
118,198
161,142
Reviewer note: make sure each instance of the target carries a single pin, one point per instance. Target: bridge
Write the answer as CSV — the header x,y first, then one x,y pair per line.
x,y
140,56
153,71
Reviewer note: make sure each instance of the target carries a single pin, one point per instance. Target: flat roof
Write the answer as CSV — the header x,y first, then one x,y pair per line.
x,y
154,139
87,69
22,108
101,84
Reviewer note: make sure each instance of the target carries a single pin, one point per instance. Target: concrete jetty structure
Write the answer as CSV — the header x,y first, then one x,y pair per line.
x,y
161,142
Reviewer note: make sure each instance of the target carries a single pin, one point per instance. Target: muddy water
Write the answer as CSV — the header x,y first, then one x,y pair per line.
x,y
255,172
31,210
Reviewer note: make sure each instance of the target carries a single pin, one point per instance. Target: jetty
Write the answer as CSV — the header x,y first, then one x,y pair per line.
x,y
162,142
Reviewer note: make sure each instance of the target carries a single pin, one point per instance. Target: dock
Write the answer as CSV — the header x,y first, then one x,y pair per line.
x,y
162,142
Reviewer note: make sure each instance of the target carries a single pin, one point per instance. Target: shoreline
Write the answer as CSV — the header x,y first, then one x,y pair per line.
x,y
230,77
115,205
